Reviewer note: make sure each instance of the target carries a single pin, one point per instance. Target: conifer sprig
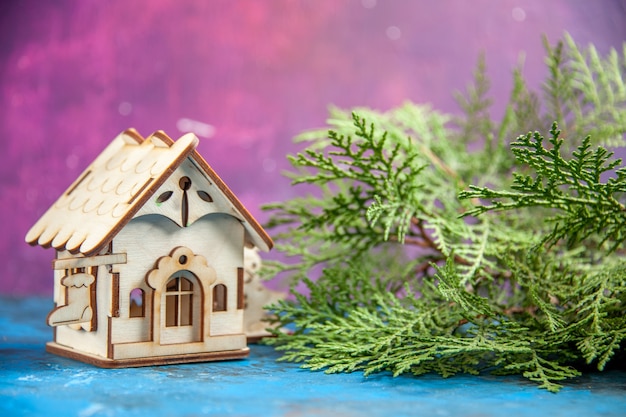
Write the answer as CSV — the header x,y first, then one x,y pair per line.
x,y
585,204
366,160
586,93
436,258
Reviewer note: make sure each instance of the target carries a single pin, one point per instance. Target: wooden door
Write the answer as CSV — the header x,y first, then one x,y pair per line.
x,y
181,309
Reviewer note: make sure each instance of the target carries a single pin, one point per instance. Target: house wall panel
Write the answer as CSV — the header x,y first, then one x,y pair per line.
x,y
94,342
216,237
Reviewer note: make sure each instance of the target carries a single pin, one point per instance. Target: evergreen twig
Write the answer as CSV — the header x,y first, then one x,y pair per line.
x,y
436,258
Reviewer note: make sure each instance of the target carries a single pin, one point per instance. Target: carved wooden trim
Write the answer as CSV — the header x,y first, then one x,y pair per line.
x,y
70,263
180,259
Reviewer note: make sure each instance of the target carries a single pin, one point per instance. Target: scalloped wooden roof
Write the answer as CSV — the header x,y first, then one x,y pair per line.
x,y
116,185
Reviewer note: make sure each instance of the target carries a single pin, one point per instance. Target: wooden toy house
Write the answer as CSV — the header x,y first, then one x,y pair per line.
x,y
149,257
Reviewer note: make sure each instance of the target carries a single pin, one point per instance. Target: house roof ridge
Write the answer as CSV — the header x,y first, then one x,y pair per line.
x,y
116,185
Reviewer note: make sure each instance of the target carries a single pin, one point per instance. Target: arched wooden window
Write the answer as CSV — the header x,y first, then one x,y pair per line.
x,y
219,297
137,306
178,302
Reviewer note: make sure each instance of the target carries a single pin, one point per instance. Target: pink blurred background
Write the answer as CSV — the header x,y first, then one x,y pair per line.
x,y
246,76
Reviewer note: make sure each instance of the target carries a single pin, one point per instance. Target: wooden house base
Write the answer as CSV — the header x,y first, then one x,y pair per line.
x,y
67,352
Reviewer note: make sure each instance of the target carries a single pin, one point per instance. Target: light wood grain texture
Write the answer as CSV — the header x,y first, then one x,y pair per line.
x,y
149,258
257,296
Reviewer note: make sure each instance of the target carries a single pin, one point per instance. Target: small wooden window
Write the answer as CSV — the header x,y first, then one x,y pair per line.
x,y
178,302
137,303
205,196
240,289
115,290
219,297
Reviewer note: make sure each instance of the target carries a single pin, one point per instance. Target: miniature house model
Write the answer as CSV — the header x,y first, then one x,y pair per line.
x,y
149,258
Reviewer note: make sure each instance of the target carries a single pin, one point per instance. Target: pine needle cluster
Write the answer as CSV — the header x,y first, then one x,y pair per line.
x,y
445,246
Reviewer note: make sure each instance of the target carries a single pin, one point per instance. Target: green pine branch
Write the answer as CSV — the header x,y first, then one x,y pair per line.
x,y
586,93
584,203
445,246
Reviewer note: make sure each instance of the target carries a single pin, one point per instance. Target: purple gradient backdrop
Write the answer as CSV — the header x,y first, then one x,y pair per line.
x,y
76,73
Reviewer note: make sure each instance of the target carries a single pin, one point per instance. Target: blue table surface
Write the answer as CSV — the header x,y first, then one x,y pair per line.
x,y
33,383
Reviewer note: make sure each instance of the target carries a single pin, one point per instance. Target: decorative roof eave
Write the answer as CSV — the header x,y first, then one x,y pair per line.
x,y
256,235
116,185
109,192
